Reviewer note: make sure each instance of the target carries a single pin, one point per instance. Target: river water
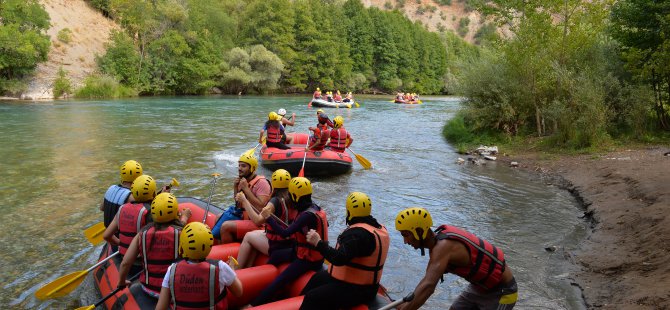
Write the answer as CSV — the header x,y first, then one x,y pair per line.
x,y
59,158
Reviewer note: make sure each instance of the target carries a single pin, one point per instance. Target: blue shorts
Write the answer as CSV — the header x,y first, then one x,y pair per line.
x,y
232,213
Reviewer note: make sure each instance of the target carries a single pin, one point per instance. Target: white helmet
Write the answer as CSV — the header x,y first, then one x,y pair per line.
x,y
281,112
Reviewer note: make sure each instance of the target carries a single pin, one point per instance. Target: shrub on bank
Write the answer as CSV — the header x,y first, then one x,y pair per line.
x,y
103,86
62,84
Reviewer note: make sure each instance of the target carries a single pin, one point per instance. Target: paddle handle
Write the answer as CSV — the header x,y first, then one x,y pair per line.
x,y
398,302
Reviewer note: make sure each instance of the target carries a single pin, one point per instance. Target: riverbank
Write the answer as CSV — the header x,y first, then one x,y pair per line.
x,y
626,197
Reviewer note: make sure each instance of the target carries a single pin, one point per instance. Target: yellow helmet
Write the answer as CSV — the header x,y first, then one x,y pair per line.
x,y
299,187
318,89
272,116
358,205
319,111
249,159
281,178
338,121
130,170
195,241
164,208
412,218
143,188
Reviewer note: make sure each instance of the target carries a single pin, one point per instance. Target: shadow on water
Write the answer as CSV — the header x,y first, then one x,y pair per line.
x,y
62,157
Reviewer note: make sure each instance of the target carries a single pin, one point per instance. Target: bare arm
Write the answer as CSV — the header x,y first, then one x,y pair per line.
x,y
251,211
437,265
236,287
110,233
260,137
128,260
164,299
257,201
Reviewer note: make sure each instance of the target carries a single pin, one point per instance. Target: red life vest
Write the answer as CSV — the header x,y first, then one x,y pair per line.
x,y
487,262
160,248
317,95
365,270
132,217
324,133
338,98
305,250
196,286
274,133
338,139
284,214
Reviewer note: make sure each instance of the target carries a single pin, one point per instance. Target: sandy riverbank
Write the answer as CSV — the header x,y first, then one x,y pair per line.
x,y
624,260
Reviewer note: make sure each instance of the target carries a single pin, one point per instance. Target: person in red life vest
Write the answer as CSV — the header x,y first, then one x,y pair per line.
x,y
286,139
454,250
317,93
268,242
196,283
155,244
356,262
119,194
275,131
305,257
339,137
257,190
319,138
323,120
348,98
337,97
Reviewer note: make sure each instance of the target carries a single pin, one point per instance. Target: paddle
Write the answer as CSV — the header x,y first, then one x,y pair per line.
x,y
251,152
361,160
398,302
356,104
67,283
112,293
94,233
302,170
211,191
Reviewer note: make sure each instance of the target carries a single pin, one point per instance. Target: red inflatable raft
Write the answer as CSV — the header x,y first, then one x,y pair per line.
x,y
317,163
253,279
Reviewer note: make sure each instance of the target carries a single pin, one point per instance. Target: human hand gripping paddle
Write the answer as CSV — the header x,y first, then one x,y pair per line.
x,y
67,283
396,303
112,293
94,233
361,160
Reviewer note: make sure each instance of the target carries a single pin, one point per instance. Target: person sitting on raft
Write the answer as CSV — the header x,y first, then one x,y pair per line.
x,y
286,122
155,244
317,93
268,242
275,131
339,137
307,258
188,283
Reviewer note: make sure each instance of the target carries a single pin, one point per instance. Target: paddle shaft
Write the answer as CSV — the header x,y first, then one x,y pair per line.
x,y
112,293
304,158
58,288
398,302
211,191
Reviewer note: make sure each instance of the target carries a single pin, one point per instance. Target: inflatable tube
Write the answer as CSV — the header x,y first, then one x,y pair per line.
x,y
317,163
321,103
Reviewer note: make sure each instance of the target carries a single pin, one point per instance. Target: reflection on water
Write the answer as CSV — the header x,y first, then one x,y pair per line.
x,y
60,158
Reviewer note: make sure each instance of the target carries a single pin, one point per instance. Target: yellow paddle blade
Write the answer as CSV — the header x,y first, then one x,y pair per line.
x,y
348,106
91,307
61,286
363,161
174,182
94,233
357,105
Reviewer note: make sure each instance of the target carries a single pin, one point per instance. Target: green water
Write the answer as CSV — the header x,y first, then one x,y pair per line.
x,y
59,158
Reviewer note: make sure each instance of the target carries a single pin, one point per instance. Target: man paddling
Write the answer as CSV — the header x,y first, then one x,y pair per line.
x,y
453,250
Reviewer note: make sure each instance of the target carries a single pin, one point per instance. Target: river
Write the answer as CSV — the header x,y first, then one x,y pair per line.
x,y
60,157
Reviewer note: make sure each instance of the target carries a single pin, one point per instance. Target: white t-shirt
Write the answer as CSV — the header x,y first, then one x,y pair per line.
x,y
226,275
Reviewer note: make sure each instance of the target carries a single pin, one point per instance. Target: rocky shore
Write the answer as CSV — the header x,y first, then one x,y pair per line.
x,y
624,260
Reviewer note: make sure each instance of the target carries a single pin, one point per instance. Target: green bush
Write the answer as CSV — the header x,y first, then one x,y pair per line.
x,y
62,84
65,35
463,26
103,86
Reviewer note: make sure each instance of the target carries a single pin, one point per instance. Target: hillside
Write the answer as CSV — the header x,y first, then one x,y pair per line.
x,y
90,30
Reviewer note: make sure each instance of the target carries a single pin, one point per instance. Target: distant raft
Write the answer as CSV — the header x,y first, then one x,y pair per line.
x,y
317,163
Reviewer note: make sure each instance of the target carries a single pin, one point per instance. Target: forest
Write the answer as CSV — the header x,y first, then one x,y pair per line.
x,y
579,72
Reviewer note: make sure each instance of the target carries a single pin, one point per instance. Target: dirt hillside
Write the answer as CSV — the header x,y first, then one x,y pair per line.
x,y
89,32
